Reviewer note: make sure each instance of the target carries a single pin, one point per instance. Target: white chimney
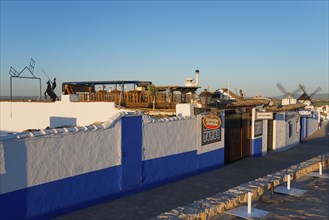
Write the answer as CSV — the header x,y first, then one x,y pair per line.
x,y
196,77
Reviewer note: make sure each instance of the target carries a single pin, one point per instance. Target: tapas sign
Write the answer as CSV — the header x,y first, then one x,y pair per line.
x,y
211,129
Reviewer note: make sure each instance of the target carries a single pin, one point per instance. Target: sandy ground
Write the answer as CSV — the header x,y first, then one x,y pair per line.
x,y
312,205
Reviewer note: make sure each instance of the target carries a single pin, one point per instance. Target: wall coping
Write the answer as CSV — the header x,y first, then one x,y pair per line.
x,y
90,128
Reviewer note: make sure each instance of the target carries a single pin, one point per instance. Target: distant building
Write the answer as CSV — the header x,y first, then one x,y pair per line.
x,y
224,93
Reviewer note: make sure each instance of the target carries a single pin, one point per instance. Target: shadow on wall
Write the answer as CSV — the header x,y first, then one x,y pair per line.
x,y
13,180
62,121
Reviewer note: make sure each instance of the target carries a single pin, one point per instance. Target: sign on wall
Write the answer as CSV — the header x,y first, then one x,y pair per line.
x,y
264,115
211,129
305,113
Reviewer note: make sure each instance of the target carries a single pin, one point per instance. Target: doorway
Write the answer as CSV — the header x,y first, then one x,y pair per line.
x,y
237,135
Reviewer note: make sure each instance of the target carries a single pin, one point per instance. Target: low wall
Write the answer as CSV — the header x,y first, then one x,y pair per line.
x,y
172,149
19,116
51,172
47,175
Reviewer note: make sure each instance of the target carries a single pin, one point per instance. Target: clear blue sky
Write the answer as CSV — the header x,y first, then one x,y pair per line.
x,y
254,44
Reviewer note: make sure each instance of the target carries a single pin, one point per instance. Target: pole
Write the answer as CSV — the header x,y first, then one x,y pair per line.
x,y
40,88
11,89
288,183
320,169
228,88
46,75
11,97
249,202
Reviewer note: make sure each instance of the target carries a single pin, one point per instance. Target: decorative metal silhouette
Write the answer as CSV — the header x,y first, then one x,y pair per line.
x,y
15,74
51,86
49,91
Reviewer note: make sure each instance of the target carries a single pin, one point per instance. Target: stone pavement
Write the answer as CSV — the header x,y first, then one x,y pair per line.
x,y
164,200
314,204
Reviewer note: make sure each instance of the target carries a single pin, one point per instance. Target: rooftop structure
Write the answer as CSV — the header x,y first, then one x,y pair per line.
x,y
85,86
189,81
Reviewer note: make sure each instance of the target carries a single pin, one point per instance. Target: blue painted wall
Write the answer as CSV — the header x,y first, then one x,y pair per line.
x,y
58,197
211,159
302,128
165,169
131,146
306,126
304,123
257,147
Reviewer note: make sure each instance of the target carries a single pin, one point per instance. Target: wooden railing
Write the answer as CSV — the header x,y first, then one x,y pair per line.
x,y
136,98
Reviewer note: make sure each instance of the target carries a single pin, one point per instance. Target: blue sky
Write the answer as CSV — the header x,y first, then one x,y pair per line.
x,y
253,44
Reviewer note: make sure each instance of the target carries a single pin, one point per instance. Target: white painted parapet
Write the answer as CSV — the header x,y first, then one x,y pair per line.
x,y
185,109
70,98
165,137
35,158
20,116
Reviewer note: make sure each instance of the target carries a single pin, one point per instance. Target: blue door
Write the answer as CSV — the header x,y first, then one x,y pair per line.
x,y
131,142
303,128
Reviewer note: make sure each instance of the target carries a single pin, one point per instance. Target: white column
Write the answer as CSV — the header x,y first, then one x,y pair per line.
x,y
249,202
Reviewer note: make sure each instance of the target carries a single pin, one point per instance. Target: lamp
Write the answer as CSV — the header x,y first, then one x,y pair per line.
x,y
205,98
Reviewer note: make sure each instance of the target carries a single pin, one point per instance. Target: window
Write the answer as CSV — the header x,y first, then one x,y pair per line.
x,y
258,128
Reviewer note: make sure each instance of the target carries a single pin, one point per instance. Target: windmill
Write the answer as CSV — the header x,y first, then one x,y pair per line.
x,y
305,98
288,97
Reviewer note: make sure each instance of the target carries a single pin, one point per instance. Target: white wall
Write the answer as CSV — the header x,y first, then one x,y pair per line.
x,y
32,161
164,138
19,116
281,127
168,137
185,109
264,140
313,122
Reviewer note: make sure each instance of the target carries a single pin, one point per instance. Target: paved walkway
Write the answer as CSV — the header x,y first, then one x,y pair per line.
x,y
314,204
150,203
